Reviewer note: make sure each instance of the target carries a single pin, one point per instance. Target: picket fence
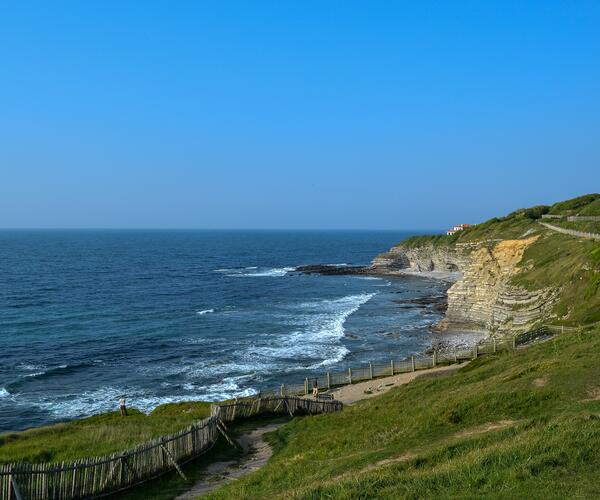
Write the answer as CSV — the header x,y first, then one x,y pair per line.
x,y
100,476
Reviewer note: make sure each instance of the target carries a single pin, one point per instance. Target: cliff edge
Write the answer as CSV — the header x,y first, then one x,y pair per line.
x,y
510,273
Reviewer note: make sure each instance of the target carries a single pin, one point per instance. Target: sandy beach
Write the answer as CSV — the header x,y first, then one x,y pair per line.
x,y
349,394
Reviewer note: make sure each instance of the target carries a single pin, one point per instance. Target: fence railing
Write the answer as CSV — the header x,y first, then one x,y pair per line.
x,y
572,232
329,380
101,476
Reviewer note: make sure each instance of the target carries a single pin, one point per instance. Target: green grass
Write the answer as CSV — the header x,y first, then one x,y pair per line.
x,y
586,226
584,205
98,435
592,208
428,239
432,432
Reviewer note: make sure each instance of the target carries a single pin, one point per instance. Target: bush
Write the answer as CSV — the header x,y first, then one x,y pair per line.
x,y
536,212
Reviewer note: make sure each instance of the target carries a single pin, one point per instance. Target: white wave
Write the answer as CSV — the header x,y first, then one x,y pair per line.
x,y
370,278
198,340
36,374
251,267
207,369
320,337
274,272
107,399
205,311
226,389
30,367
389,283
4,393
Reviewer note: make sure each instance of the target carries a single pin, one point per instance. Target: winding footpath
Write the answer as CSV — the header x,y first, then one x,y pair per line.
x,y
256,454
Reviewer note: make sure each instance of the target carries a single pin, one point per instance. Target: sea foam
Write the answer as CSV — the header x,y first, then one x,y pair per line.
x,y
321,329
263,272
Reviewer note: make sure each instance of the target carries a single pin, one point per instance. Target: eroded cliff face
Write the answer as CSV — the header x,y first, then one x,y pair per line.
x,y
423,259
483,298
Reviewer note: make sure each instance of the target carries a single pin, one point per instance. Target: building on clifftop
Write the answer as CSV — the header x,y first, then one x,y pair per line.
x,y
456,229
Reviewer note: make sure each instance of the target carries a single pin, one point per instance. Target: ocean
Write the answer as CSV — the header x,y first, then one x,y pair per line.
x,y
89,316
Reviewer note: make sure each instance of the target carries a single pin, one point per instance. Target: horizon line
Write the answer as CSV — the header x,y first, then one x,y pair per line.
x,y
205,229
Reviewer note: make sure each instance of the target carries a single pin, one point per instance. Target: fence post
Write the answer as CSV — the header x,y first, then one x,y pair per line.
x,y
282,390
392,366
434,357
370,370
475,352
350,375
328,380
306,386
514,342
494,341
412,358
14,487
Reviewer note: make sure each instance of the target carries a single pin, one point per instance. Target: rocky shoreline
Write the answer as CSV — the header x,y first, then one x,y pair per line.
x,y
481,296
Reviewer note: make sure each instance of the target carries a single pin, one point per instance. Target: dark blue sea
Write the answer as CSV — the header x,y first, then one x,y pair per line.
x,y
161,316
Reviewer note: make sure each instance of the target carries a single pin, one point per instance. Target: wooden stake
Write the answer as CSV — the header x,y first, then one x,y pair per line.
x,y
164,448
229,440
15,488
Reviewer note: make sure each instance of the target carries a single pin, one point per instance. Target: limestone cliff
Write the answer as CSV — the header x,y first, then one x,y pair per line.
x,y
483,297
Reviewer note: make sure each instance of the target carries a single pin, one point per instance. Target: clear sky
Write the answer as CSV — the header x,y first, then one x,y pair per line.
x,y
294,114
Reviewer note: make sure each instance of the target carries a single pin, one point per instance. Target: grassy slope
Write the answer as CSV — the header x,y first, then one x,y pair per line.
x,y
98,435
432,433
554,260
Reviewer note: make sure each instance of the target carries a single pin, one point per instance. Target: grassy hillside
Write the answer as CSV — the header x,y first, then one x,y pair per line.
x,y
569,264
98,435
516,425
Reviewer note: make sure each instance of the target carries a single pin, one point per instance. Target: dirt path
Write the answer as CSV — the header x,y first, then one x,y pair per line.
x,y
256,454
257,451
349,394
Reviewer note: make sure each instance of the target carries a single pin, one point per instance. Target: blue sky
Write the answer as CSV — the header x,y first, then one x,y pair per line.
x,y
336,114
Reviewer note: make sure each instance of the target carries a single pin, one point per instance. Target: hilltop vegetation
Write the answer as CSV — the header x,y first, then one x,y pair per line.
x,y
588,204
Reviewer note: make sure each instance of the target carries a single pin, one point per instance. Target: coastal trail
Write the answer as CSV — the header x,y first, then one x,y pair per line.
x,y
349,394
256,453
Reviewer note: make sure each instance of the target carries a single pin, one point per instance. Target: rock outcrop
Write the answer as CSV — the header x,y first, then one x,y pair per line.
x,y
483,298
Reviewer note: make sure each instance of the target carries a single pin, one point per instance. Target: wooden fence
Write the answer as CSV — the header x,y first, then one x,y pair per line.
x,y
572,232
101,476
371,371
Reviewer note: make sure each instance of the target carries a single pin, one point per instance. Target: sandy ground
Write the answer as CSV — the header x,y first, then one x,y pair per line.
x,y
256,454
349,394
